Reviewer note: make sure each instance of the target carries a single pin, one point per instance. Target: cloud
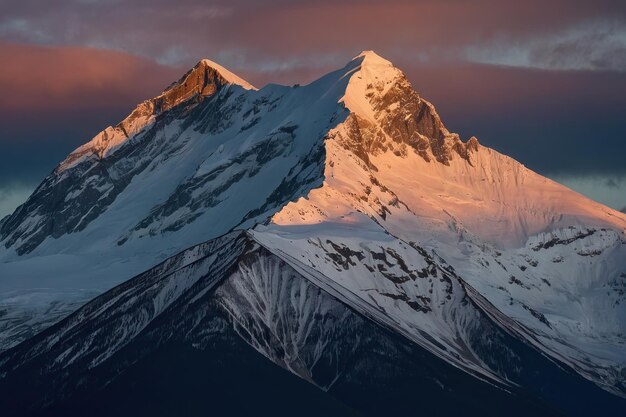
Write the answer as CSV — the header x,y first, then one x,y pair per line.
x,y
596,46
281,30
610,191
35,77
12,196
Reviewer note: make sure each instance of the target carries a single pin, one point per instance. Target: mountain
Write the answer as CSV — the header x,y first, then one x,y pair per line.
x,y
335,230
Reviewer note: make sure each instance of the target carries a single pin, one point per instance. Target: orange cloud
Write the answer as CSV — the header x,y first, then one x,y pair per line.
x,y
35,78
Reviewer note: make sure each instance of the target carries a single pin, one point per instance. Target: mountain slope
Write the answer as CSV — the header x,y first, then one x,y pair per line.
x,y
527,244
353,184
203,307
118,205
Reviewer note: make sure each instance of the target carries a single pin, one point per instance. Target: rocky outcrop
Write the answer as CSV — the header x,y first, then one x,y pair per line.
x,y
402,119
200,81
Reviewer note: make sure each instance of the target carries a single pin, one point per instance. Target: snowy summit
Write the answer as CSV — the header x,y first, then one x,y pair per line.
x,y
326,228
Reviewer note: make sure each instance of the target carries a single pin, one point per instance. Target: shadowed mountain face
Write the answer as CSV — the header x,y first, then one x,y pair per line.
x,y
84,186
334,241
203,329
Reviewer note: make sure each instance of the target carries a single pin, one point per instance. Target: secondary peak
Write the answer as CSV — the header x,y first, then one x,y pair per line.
x,y
227,75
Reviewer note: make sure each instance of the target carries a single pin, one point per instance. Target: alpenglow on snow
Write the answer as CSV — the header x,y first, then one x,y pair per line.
x,y
334,238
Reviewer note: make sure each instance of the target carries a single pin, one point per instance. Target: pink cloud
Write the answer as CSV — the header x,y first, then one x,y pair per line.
x,y
36,78
250,31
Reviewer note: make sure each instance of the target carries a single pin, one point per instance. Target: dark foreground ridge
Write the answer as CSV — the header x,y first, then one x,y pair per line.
x,y
202,332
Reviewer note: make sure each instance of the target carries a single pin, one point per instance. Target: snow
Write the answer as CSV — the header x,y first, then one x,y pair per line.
x,y
547,262
484,216
90,260
112,138
427,309
285,317
367,70
228,75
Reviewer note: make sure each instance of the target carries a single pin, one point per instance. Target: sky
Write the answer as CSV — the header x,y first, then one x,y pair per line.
x,y
543,82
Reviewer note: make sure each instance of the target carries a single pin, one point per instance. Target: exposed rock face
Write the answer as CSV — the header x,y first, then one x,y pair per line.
x,y
414,122
201,80
400,114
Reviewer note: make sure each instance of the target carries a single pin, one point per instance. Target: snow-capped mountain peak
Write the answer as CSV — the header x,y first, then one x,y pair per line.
x,y
382,100
205,79
227,75
355,183
369,74
375,65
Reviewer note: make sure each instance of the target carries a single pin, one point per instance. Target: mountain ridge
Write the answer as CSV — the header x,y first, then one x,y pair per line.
x,y
87,346
203,80
357,185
